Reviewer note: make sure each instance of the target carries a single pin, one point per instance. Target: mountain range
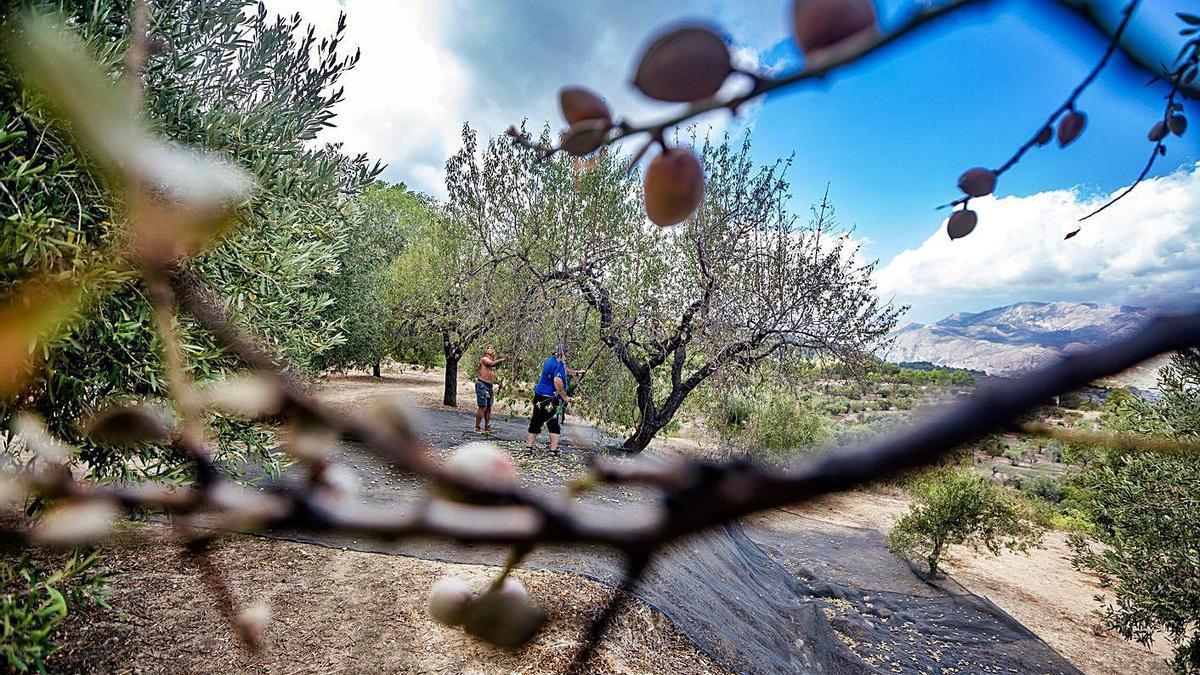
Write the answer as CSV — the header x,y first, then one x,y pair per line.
x,y
1016,338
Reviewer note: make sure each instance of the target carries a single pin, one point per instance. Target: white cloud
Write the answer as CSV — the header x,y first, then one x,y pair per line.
x,y
429,66
404,98
1143,250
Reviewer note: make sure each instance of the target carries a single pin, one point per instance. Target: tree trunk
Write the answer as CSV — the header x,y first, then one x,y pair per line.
x,y
450,397
646,428
375,371
934,558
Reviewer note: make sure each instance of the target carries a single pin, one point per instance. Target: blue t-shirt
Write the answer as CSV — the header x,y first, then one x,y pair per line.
x,y
550,369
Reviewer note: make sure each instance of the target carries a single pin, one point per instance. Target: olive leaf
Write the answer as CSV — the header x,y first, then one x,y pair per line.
x,y
129,424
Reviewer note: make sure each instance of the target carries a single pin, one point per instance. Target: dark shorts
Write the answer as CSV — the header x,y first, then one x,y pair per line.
x,y
483,394
545,412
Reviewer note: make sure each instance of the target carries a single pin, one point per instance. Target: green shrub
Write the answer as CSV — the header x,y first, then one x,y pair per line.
x,y
1015,455
272,268
781,425
958,506
737,413
1042,487
670,428
35,598
993,446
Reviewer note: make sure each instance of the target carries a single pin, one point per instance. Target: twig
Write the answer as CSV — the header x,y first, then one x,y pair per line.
x,y
1069,104
765,85
1160,147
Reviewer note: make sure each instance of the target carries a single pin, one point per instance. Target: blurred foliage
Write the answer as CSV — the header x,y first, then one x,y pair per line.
x,y
226,78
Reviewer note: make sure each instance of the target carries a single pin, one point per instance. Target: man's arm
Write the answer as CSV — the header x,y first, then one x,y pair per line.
x,y
560,390
492,363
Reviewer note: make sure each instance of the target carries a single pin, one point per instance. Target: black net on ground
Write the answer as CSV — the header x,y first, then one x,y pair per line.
x,y
779,593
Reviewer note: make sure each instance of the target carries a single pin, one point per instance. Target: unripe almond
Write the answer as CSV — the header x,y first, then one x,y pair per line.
x,y
820,24
76,523
977,182
503,619
1157,132
579,104
1177,124
584,137
1045,135
448,600
129,424
483,464
252,622
961,223
337,483
1070,126
685,64
674,186
513,587
247,395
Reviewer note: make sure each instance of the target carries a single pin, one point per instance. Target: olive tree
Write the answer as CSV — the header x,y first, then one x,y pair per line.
x,y
222,76
1143,510
380,223
958,506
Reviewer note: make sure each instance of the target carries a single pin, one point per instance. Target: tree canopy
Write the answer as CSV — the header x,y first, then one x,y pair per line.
x,y
263,90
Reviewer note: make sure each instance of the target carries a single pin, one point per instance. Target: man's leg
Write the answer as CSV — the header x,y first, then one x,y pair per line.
x,y
487,417
478,417
554,443
530,438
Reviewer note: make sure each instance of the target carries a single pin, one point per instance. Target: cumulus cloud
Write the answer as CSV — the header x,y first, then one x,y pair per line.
x,y
1144,250
429,66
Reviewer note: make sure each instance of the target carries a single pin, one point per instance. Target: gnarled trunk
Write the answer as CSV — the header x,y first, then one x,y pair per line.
x,y
646,429
375,371
654,416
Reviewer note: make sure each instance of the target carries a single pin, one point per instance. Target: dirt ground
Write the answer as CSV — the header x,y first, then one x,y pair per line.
x,y
341,611
1041,590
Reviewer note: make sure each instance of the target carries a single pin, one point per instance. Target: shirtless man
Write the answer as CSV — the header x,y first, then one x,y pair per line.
x,y
484,388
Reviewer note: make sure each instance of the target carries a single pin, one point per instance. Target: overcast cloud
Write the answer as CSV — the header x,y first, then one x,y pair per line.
x,y
427,67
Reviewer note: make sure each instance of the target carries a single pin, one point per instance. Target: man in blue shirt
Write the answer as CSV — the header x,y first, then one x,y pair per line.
x,y
550,398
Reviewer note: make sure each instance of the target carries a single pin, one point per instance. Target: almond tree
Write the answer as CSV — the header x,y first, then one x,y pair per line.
x,y
740,281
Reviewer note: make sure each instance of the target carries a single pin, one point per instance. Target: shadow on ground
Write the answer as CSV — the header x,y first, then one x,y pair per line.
x,y
776,593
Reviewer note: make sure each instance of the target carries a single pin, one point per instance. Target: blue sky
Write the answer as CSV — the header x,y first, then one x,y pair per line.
x,y
889,136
